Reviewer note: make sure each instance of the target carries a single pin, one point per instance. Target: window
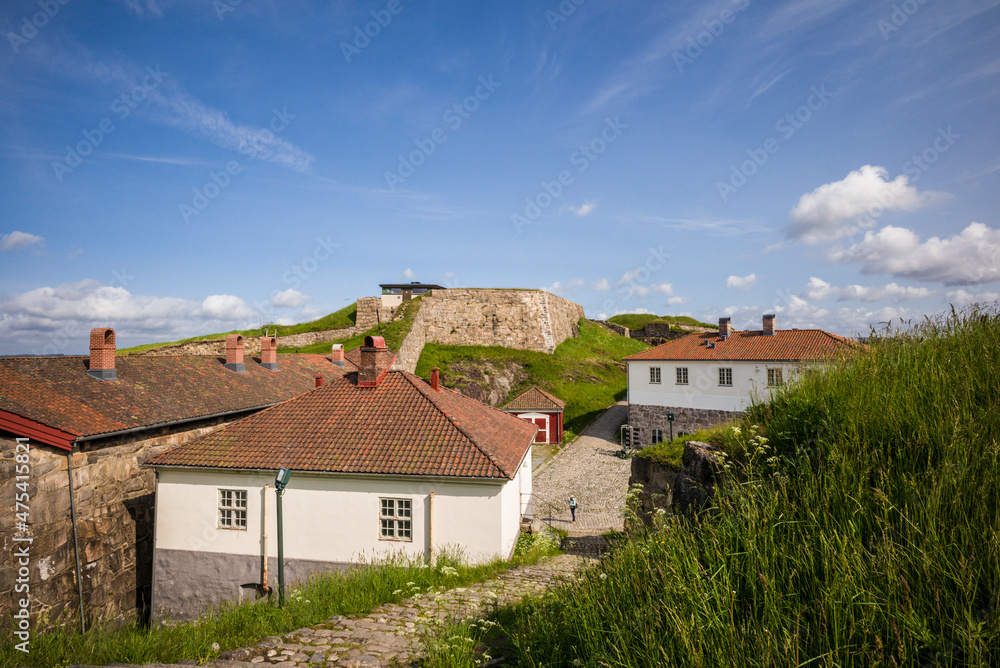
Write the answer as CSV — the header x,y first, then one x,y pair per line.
x,y
726,377
657,436
395,519
774,378
233,509
682,375
654,374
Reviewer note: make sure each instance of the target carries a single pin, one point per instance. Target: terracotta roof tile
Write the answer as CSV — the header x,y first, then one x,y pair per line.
x,y
401,427
534,399
786,344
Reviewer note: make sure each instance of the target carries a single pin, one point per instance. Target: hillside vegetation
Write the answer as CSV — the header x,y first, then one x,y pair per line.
x,y
861,527
393,332
341,319
586,372
640,320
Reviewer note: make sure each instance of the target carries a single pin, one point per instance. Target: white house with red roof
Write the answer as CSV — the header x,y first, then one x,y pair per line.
x,y
382,462
706,378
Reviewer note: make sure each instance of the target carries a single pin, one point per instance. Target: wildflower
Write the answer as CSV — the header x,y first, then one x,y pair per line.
x,y
397,592
604,576
736,430
577,662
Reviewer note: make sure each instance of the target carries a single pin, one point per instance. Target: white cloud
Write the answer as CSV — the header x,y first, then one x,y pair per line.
x,y
742,282
896,293
408,274
225,307
601,285
585,208
797,313
817,289
837,209
142,8
678,300
646,290
290,298
962,298
971,257
558,288
17,239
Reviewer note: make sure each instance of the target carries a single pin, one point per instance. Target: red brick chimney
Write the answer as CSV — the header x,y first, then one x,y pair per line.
x,y
337,354
234,353
319,380
768,324
269,353
724,328
376,359
435,378
102,354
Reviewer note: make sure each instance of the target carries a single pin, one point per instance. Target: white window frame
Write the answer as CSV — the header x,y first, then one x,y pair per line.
x,y
682,375
725,376
233,509
654,375
395,519
656,436
775,377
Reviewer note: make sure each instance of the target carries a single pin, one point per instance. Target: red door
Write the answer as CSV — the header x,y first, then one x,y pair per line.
x,y
543,432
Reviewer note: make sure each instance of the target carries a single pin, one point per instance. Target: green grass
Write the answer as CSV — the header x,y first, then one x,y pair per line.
x,y
393,332
585,372
640,320
861,527
232,626
341,319
668,453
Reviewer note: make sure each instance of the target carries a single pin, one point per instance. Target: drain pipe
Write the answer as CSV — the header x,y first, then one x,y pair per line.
x,y
76,540
263,519
430,530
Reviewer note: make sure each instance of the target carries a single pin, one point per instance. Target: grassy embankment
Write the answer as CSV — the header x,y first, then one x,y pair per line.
x,y
393,332
640,320
341,319
862,527
585,372
232,626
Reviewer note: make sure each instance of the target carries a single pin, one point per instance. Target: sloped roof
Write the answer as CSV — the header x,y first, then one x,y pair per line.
x,y
534,399
57,392
401,427
784,345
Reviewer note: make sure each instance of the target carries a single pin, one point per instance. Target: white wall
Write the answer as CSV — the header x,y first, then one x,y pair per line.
x,y
391,301
333,517
703,389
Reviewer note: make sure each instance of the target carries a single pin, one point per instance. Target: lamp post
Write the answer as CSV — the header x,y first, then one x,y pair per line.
x,y
279,489
670,419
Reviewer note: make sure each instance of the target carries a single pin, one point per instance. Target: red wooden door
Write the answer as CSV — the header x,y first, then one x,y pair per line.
x,y
543,432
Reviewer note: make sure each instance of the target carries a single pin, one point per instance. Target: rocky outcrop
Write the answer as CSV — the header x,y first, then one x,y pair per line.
x,y
685,491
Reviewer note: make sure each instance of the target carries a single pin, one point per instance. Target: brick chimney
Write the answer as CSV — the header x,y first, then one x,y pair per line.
x,y
376,359
102,354
435,378
768,324
269,353
319,380
724,328
337,354
234,353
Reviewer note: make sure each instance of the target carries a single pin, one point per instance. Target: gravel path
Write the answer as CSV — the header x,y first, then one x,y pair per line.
x,y
589,468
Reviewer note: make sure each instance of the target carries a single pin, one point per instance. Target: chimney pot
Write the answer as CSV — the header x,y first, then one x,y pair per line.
x,y
319,380
435,378
234,353
102,354
724,328
269,353
376,359
337,354
768,324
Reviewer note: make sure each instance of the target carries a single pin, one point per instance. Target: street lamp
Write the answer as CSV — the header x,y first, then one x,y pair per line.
x,y
670,419
280,481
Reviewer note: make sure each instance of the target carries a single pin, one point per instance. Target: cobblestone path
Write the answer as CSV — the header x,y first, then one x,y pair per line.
x,y
590,469
392,634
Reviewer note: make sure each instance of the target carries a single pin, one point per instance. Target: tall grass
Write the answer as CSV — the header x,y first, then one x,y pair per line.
x,y
861,527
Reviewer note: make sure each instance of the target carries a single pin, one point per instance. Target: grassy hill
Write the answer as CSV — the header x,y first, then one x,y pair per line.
x,y
640,320
341,319
585,372
861,527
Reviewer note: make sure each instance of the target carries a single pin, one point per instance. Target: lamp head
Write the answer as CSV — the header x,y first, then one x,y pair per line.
x,y
282,478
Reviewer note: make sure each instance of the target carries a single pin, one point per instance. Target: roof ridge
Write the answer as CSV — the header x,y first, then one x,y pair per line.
x,y
426,392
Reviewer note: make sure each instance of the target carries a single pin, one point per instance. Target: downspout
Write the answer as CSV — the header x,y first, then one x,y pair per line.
x,y
263,519
76,540
430,530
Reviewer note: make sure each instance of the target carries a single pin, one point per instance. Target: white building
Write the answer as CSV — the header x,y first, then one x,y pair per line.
x,y
382,462
703,379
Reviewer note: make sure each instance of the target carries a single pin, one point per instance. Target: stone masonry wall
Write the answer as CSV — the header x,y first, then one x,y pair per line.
x,y
114,510
520,319
686,420
369,311
251,345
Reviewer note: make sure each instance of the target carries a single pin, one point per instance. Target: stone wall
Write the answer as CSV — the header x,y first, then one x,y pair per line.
x,y
613,327
251,344
369,311
520,319
114,511
684,491
686,420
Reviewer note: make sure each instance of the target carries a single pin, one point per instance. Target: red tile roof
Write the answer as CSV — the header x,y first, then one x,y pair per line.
x,y
785,345
56,392
401,427
534,399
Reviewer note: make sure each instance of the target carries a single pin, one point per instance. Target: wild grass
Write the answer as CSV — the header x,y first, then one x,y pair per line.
x,y
860,527
231,626
640,320
585,372
393,332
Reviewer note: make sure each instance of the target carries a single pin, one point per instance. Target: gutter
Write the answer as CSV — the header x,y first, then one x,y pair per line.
x,y
156,425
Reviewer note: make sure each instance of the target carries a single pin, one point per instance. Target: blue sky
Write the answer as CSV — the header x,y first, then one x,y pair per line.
x,y
173,167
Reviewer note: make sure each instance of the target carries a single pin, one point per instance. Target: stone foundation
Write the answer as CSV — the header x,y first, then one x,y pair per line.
x,y
686,420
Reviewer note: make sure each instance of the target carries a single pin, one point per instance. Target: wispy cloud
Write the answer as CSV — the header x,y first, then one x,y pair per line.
x,y
18,239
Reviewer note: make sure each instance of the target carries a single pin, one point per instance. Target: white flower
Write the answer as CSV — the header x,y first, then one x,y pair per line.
x,y
604,576
577,662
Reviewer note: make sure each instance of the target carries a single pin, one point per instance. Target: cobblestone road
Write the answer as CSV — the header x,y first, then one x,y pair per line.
x,y
590,469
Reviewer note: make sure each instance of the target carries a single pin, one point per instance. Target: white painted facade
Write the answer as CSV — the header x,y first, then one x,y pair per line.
x,y
391,301
703,390
335,517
